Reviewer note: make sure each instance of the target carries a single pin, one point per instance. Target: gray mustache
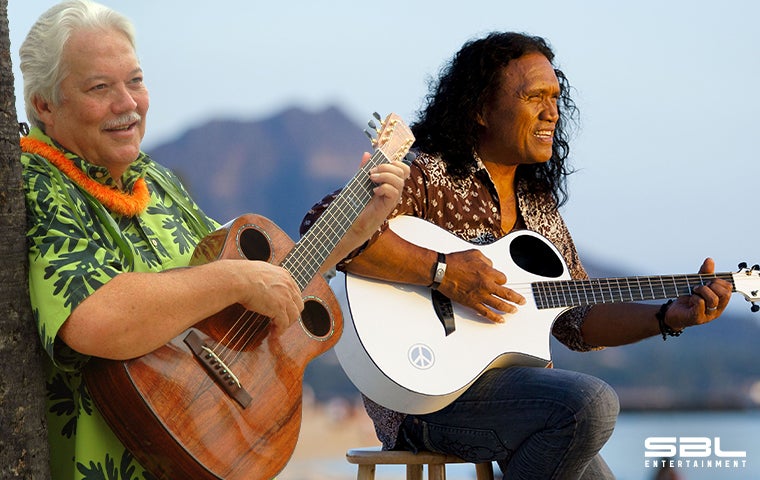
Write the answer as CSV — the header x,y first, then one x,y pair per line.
x,y
123,120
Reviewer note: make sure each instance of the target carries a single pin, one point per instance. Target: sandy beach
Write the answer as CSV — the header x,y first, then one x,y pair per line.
x,y
327,431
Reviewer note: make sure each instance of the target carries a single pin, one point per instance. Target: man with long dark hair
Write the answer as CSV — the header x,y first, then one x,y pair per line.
x,y
493,145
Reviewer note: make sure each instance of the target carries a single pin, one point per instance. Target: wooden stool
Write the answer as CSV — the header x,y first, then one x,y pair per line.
x,y
368,458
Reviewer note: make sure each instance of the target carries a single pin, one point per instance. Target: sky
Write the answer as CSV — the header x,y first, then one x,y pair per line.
x,y
667,90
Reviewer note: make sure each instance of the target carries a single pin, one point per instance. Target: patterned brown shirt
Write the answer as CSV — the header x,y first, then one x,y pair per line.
x,y
469,208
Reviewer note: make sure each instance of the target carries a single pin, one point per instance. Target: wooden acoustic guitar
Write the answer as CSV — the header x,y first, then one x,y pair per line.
x,y
223,399
419,351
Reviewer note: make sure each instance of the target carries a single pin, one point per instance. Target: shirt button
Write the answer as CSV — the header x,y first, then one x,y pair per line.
x,y
494,209
154,242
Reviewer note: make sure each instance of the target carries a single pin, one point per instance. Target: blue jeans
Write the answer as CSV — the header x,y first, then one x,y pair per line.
x,y
536,423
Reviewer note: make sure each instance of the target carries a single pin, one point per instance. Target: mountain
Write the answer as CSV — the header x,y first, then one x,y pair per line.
x,y
277,167
280,166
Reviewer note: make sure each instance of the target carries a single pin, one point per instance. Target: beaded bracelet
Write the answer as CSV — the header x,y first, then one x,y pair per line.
x,y
665,329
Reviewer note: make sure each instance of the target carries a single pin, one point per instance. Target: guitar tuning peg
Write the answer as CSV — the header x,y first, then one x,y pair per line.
x,y
372,125
377,116
409,158
754,307
742,265
371,138
755,267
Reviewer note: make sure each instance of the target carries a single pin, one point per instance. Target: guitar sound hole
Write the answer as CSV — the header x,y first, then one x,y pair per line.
x,y
254,245
533,255
316,319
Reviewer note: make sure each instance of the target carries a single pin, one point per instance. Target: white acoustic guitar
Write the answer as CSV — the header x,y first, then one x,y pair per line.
x,y
412,351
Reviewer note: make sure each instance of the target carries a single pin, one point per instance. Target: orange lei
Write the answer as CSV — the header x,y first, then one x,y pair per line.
x,y
129,204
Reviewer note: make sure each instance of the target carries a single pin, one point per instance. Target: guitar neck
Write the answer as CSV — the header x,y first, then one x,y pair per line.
x,y
576,293
308,255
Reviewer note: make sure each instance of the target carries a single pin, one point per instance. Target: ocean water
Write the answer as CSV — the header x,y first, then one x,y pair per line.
x,y
709,445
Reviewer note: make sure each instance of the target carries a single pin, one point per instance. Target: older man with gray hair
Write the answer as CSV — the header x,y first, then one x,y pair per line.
x,y
104,219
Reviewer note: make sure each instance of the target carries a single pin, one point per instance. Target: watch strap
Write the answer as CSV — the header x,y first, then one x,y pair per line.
x,y
439,271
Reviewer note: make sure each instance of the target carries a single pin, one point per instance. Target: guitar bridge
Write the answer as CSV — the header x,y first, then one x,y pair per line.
x,y
218,369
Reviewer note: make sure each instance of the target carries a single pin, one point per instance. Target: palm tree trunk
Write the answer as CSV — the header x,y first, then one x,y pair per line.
x,y
23,434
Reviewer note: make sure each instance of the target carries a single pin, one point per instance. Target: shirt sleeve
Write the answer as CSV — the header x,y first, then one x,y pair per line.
x,y
412,202
70,255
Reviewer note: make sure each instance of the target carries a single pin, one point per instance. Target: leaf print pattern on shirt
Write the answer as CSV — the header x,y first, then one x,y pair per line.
x,y
76,246
108,470
61,401
75,278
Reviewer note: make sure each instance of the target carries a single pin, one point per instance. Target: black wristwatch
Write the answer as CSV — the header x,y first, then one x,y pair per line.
x,y
439,271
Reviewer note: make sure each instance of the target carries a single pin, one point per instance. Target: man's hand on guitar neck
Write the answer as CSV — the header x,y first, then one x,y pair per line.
x,y
389,180
706,303
625,323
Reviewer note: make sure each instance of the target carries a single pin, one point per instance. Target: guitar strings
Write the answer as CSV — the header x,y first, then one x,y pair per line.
x,y
237,338
241,336
584,291
335,221
245,329
617,289
357,192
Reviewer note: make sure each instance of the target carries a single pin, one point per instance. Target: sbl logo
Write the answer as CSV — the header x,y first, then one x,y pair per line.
x,y
688,447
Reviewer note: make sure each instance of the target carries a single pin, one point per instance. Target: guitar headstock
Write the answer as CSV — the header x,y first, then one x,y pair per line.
x,y
747,282
393,138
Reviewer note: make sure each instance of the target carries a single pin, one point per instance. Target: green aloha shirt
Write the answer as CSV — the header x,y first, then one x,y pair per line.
x,y
75,247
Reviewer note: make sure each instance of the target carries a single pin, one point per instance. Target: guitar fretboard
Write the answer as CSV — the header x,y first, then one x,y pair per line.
x,y
575,293
308,255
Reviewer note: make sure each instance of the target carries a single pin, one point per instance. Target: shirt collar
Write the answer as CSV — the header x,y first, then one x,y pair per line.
x,y
99,173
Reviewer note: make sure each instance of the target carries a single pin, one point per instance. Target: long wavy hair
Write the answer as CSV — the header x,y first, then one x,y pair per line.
x,y
447,123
